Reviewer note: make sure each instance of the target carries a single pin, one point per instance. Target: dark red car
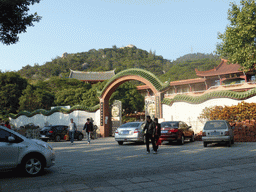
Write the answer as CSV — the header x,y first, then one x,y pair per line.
x,y
176,131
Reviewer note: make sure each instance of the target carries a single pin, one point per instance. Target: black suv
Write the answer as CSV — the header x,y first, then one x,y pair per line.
x,y
57,133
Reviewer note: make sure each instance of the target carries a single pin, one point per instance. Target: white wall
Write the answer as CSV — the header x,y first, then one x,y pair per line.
x,y
189,113
186,112
58,118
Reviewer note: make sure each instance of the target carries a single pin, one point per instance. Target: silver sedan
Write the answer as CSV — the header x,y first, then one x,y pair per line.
x,y
130,132
30,155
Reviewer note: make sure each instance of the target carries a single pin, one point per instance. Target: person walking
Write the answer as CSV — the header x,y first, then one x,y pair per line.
x,y
158,132
72,130
88,127
150,133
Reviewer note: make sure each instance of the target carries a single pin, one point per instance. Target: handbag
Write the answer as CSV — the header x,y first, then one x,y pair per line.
x,y
66,137
159,142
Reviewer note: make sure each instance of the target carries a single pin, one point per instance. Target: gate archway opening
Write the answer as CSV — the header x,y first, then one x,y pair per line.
x,y
141,75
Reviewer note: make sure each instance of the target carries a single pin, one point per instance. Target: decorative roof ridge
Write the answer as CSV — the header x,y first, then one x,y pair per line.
x,y
221,63
112,71
200,72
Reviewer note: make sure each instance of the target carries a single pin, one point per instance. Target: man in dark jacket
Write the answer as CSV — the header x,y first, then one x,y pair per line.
x,y
150,128
88,127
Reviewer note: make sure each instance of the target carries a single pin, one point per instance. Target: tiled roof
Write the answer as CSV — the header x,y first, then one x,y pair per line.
x,y
187,81
175,83
221,69
91,76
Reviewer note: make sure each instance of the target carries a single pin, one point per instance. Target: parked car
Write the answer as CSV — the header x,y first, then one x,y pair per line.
x,y
31,156
176,131
130,132
217,131
57,133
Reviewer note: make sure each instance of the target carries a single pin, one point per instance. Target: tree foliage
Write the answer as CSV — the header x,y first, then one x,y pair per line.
x,y
184,67
121,59
131,100
12,85
239,40
241,112
14,19
35,98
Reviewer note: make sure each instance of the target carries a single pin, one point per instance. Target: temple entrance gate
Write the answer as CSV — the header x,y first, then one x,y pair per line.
x,y
141,75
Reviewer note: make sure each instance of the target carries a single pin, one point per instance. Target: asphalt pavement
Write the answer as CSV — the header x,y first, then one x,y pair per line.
x,y
105,166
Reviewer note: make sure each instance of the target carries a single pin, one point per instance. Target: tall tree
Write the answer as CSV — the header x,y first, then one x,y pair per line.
x,y
239,40
12,86
35,98
14,19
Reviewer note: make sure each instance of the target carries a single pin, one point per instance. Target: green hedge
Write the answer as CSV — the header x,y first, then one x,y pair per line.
x,y
58,109
211,95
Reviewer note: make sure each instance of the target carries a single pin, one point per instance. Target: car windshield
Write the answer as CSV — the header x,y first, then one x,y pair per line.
x,y
130,125
46,128
170,124
215,125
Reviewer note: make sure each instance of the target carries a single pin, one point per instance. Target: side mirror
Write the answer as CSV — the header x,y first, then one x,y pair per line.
x,y
11,139
189,127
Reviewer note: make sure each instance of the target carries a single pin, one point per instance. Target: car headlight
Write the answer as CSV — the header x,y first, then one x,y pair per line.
x,y
45,146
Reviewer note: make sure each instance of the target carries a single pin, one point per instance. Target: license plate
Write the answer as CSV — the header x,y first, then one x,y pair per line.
x,y
215,133
42,135
164,131
126,132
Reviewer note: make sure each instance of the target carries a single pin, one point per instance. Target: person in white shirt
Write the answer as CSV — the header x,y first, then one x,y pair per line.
x,y
72,130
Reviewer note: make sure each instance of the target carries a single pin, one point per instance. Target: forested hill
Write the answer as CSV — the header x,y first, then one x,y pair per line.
x,y
98,60
120,59
184,67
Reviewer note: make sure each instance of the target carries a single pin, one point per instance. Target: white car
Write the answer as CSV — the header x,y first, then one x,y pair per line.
x,y
217,131
130,132
29,155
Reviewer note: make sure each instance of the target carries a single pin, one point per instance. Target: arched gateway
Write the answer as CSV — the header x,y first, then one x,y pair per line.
x,y
141,75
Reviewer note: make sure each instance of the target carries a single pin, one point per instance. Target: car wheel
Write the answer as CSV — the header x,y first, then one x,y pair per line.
x,y
229,143
32,165
181,141
80,137
192,138
120,142
205,144
57,138
232,142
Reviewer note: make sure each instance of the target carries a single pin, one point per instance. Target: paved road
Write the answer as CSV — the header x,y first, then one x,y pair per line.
x,y
106,166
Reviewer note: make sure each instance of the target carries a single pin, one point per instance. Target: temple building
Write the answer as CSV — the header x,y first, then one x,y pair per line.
x,y
223,77
91,77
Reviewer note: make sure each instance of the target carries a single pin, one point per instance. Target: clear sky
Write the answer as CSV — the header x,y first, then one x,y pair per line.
x,y
171,28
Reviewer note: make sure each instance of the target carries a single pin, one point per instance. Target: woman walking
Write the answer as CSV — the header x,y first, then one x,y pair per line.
x,y
157,133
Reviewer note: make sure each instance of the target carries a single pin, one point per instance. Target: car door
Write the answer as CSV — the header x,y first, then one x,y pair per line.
x,y
62,131
9,152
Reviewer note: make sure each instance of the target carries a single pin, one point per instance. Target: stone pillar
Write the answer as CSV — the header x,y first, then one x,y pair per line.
x,y
158,102
104,118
